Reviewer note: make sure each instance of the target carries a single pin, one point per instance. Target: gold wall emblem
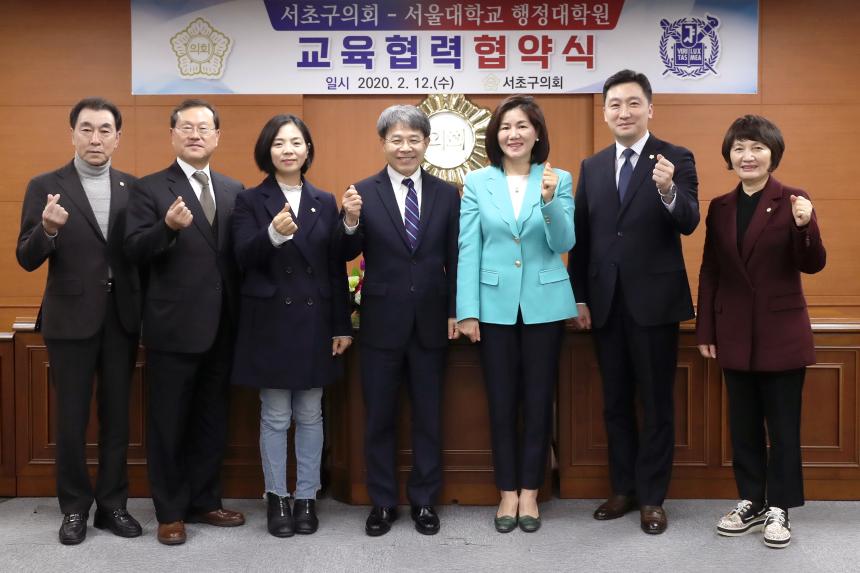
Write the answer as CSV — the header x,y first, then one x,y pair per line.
x,y
201,50
458,131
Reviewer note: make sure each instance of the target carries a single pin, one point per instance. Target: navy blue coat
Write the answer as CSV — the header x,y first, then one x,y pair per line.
x,y
293,298
405,291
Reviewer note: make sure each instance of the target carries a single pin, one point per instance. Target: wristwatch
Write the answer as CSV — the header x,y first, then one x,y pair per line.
x,y
670,195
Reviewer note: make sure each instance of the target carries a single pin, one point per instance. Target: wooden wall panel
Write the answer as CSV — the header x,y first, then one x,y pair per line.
x,y
7,415
702,465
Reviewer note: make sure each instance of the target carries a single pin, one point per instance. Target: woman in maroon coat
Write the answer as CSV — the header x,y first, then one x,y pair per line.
x,y
752,318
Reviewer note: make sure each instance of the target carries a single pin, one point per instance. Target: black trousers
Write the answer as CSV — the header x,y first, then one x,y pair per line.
x,y
520,364
766,405
108,357
383,371
187,427
641,360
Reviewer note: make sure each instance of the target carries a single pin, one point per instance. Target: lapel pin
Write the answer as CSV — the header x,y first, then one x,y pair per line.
x,y
313,209
650,157
122,183
768,209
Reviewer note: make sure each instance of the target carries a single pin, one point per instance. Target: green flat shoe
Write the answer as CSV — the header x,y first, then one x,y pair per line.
x,y
529,524
505,523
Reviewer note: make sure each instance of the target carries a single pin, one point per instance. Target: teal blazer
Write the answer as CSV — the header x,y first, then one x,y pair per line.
x,y
507,265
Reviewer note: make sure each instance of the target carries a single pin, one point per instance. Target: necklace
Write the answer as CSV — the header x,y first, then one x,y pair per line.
x,y
518,182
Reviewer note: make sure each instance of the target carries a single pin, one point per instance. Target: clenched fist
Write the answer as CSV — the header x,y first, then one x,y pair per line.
x,y
283,222
549,181
54,216
801,210
351,206
178,216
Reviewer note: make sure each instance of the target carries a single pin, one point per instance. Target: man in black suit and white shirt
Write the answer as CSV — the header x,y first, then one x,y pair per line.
x,y
634,200
74,218
179,225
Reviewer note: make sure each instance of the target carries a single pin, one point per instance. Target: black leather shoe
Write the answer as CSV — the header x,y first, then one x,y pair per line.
x,y
279,519
615,507
74,528
652,519
426,520
305,519
379,521
119,521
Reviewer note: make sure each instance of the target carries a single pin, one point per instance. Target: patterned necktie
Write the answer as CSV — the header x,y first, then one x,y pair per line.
x,y
411,213
625,174
206,200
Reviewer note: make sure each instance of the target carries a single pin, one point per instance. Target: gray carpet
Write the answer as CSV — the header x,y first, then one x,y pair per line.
x,y
824,538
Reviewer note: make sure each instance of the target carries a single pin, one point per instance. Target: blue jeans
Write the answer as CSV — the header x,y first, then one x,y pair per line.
x,y
277,408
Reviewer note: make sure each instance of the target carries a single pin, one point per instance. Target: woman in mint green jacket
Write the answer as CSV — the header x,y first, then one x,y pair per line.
x,y
514,294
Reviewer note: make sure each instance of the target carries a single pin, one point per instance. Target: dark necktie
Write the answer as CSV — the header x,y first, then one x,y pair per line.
x,y
411,213
625,173
206,199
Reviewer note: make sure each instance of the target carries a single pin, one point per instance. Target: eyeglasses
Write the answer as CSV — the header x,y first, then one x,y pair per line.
x,y
202,130
411,142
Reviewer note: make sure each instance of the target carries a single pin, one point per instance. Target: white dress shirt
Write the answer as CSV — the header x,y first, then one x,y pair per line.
x,y
189,171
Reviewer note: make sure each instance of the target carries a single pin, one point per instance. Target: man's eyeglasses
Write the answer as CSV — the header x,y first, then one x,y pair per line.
x,y
202,130
411,142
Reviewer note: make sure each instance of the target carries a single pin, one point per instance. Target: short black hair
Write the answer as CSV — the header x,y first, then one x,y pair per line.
x,y
194,102
540,151
754,128
626,77
96,104
263,148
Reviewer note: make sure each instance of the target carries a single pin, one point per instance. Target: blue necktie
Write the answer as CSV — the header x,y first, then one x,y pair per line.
x,y
625,173
411,214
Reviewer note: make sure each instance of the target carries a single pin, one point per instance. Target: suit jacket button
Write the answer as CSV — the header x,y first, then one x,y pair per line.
x,y
412,288
310,301
289,270
310,270
288,300
518,264
620,233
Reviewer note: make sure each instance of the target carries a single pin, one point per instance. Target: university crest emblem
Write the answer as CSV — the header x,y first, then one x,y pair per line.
x,y
690,47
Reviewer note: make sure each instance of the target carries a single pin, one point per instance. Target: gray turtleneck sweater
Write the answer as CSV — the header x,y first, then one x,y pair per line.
x,y
96,183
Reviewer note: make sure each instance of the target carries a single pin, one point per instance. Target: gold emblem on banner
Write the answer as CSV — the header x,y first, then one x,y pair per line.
x,y
201,50
458,130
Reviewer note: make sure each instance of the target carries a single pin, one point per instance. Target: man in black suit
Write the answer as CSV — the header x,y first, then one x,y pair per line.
x,y
74,218
633,201
179,225
406,222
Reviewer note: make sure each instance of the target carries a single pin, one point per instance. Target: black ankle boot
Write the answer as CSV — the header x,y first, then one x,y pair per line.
x,y
305,516
279,519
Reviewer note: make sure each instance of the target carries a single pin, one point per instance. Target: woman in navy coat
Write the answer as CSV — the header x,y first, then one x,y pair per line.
x,y
294,314
753,320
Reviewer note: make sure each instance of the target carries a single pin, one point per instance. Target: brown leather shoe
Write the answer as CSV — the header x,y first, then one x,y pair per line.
x,y
653,519
219,518
615,507
172,533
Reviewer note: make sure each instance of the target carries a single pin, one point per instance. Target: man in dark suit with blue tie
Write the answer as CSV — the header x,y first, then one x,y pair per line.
x,y
634,200
405,222
179,226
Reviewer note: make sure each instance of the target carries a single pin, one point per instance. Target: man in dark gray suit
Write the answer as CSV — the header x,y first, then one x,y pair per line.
x,y
74,218
179,226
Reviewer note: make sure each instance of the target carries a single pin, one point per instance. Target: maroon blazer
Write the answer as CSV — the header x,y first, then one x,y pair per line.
x,y
751,304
